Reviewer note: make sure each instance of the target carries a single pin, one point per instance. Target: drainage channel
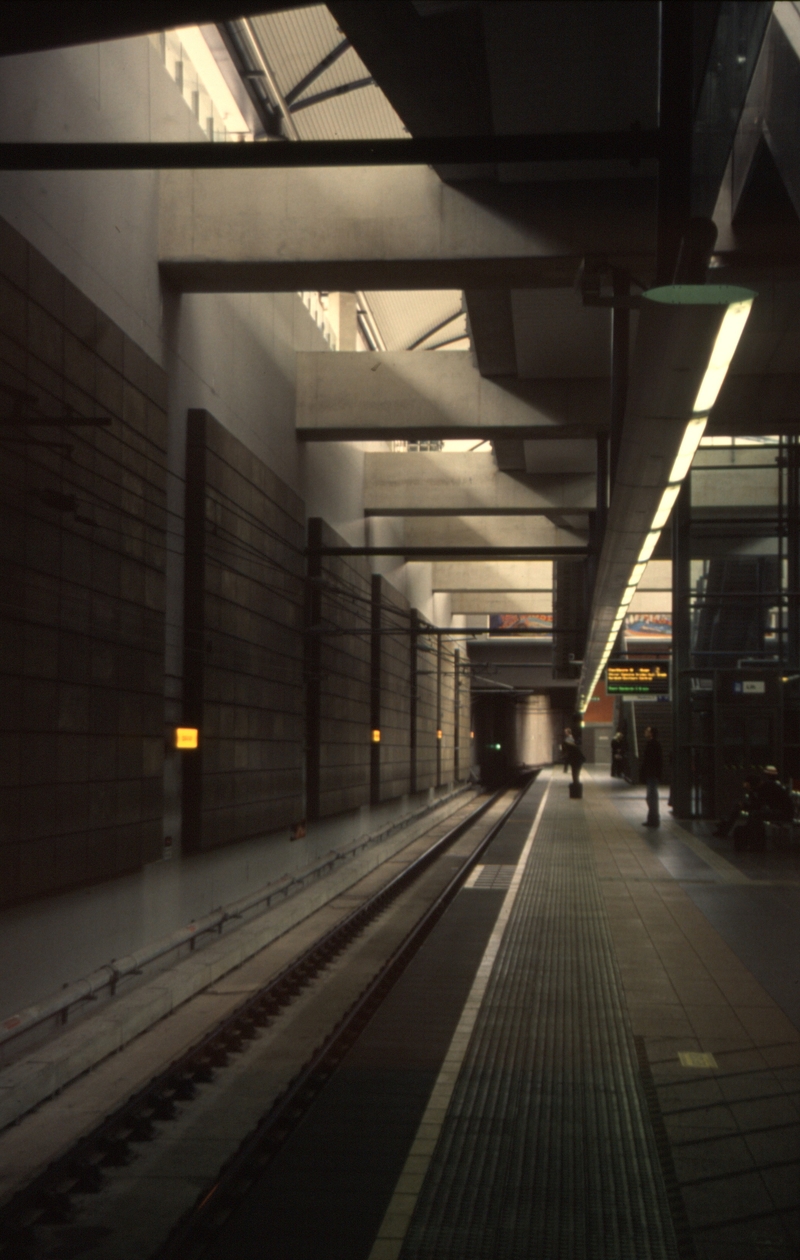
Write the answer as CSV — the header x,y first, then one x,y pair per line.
x,y
41,1219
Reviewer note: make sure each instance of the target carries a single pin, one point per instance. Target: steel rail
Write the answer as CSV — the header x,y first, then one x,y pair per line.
x,y
193,1233
46,1199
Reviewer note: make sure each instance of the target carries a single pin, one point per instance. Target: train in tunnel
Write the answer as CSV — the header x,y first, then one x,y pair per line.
x,y
513,735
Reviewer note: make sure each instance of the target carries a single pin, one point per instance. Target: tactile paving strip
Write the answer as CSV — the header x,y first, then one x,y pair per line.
x,y
547,1149
490,877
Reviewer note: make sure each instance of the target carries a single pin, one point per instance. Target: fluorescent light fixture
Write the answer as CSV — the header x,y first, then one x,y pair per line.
x,y
737,304
686,452
725,345
649,545
664,509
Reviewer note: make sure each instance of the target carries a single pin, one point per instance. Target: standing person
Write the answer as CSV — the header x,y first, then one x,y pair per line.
x,y
650,773
618,755
573,757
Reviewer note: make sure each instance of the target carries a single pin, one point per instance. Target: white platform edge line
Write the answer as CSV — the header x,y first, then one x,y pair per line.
x,y
391,1235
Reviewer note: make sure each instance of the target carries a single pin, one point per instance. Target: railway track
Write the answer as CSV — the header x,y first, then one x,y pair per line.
x,y
68,1210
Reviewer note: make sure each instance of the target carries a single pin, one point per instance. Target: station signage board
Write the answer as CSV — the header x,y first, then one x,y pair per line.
x,y
637,678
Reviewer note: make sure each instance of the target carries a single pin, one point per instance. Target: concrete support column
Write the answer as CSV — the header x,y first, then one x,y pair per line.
x,y
438,710
534,730
375,690
792,449
456,713
681,654
413,697
193,627
313,662
342,313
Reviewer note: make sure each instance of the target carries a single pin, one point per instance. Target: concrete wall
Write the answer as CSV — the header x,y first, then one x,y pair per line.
x,y
82,539
87,321
243,644
342,676
427,711
394,646
447,723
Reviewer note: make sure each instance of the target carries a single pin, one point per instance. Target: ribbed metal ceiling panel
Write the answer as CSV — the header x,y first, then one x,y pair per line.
x,y
409,315
296,41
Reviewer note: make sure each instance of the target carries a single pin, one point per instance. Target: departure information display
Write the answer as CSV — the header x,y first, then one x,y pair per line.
x,y
637,678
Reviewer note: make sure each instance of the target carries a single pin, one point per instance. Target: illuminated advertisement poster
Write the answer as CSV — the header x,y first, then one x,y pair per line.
x,y
637,678
648,626
538,622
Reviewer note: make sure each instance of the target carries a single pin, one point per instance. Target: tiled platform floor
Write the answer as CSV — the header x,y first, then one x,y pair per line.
x,y
682,929
690,924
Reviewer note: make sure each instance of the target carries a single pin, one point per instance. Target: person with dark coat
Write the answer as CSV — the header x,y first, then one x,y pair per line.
x,y
650,771
763,800
619,755
743,809
774,800
573,757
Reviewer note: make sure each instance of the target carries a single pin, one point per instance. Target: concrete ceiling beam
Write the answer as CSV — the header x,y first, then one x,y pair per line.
x,y
490,531
510,454
456,484
484,603
391,228
495,575
377,396
491,328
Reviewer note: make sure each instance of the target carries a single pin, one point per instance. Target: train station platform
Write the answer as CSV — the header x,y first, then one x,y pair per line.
x,y
596,1053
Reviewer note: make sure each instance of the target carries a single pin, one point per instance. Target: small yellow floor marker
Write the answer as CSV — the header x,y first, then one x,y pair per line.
x,y
697,1059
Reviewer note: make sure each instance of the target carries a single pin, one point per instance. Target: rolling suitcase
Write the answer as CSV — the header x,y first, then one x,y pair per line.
x,y
576,791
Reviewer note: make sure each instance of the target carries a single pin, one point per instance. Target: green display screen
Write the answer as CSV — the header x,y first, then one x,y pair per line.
x,y
637,678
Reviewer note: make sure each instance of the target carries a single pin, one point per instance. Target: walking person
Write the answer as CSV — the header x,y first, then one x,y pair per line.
x,y
650,771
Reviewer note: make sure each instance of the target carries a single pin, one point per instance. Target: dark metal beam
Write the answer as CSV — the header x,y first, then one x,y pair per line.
x,y
418,151
620,355
319,68
676,118
451,341
458,553
437,328
429,631
330,93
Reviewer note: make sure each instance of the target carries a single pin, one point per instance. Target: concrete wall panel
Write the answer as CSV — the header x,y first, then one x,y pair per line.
x,y
242,642
342,596
83,544
395,693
